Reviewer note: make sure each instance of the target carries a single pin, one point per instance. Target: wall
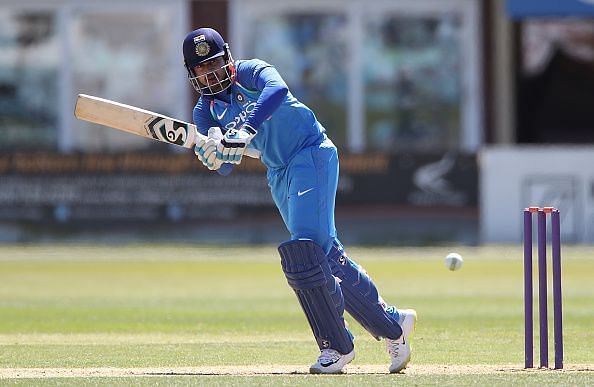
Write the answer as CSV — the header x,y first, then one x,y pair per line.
x,y
514,177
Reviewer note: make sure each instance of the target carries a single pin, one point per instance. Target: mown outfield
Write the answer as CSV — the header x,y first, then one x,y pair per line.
x,y
225,315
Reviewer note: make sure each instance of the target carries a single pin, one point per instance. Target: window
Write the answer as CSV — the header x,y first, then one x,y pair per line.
x,y
310,51
380,75
413,81
29,78
129,51
130,56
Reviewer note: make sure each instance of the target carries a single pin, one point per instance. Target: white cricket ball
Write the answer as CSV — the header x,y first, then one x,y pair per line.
x,y
453,261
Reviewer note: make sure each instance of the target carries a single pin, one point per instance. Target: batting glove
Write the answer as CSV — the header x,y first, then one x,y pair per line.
x,y
234,144
206,151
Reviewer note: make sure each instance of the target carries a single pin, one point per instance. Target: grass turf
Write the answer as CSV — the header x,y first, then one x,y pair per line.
x,y
193,306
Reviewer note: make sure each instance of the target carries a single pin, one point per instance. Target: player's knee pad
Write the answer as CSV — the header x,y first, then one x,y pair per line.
x,y
361,297
308,272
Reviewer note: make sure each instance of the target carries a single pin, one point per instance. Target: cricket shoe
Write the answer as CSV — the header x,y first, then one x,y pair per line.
x,y
331,362
400,348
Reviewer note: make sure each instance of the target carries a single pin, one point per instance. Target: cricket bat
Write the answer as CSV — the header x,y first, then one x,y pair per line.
x,y
142,122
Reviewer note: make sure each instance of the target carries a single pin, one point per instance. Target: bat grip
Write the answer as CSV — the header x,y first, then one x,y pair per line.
x,y
225,169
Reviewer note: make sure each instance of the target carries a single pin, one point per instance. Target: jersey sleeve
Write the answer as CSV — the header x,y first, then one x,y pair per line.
x,y
202,116
259,75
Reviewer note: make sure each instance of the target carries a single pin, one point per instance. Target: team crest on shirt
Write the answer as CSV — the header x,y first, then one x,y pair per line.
x,y
240,98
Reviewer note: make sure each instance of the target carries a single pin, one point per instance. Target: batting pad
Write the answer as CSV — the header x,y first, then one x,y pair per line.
x,y
308,272
361,297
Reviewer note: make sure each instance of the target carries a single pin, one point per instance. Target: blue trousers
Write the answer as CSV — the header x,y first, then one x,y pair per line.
x,y
305,192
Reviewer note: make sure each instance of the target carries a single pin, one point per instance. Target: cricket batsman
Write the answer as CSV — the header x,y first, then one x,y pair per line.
x,y
254,108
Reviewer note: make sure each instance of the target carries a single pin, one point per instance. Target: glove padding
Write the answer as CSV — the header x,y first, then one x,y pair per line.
x,y
234,144
206,149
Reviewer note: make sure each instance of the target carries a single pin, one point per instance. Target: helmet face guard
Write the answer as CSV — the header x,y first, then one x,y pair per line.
x,y
217,80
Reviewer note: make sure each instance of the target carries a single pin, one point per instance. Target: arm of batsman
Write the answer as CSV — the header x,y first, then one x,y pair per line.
x,y
234,144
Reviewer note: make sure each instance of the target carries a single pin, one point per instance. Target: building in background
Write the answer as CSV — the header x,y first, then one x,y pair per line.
x,y
548,158
52,50
397,76
413,92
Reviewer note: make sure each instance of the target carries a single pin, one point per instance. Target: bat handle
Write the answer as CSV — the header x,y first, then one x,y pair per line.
x,y
225,169
215,132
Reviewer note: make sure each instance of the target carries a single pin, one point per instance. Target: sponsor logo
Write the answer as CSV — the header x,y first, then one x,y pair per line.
x,y
231,133
220,117
301,193
325,344
433,186
167,130
241,117
561,191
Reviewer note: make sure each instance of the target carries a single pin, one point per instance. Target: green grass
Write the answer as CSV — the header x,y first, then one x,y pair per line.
x,y
195,306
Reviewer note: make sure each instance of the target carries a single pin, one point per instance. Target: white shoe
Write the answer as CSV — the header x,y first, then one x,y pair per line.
x,y
400,349
331,362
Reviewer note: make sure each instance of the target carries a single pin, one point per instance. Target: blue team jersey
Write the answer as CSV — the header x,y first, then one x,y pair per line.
x,y
291,127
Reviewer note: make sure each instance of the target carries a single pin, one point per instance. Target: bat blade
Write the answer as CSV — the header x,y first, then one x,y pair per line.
x,y
139,121
135,120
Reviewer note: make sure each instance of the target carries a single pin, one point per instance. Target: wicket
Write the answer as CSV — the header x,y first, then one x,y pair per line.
x,y
542,286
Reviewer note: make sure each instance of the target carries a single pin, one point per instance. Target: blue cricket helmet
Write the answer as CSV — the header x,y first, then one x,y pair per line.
x,y
200,46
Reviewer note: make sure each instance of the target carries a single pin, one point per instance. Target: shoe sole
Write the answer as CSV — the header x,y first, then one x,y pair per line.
x,y
410,342
317,371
